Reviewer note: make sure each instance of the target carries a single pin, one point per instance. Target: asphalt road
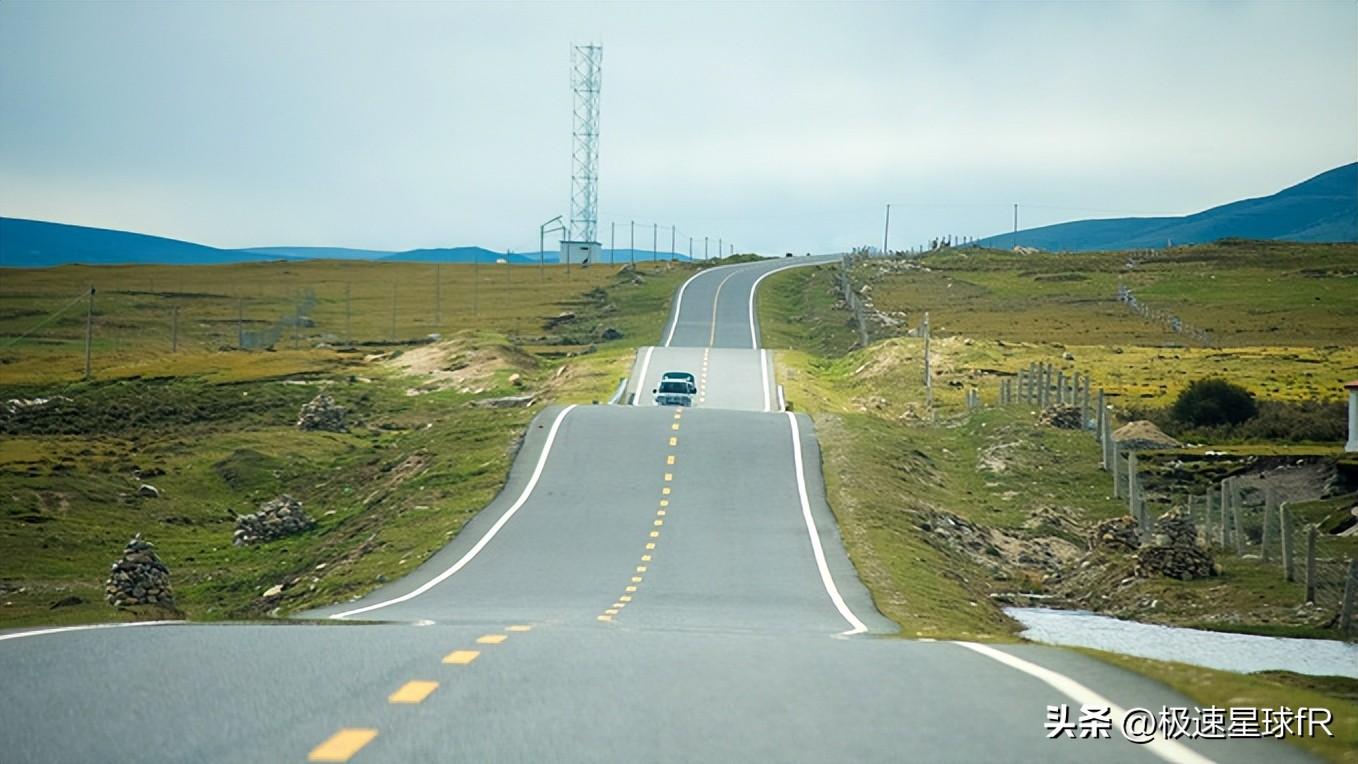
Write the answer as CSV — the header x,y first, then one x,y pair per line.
x,y
685,599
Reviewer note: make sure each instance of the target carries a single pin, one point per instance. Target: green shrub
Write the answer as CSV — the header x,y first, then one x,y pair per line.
x,y
1212,402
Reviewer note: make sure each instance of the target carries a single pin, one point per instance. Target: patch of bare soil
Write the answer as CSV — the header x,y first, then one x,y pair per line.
x,y
459,364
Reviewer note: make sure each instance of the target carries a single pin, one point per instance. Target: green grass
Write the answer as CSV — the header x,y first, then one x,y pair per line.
x,y
1273,689
219,424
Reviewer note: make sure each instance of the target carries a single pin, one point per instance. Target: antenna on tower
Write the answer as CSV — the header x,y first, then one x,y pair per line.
x,y
586,75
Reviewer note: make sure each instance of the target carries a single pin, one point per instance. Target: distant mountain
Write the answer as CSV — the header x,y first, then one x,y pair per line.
x,y
319,253
36,244
1322,209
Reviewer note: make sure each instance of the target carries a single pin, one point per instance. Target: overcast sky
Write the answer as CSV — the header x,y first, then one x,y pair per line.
x,y
774,126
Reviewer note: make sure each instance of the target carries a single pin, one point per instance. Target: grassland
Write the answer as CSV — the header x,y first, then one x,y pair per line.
x,y
950,514
211,426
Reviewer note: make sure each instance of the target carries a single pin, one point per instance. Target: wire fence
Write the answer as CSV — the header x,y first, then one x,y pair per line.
x,y
1279,529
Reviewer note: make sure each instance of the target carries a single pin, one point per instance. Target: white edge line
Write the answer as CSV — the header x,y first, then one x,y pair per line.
x,y
1169,750
86,627
490,534
858,626
764,373
782,400
641,380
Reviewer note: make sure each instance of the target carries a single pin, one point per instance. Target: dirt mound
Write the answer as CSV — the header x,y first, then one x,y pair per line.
x,y
460,362
1142,434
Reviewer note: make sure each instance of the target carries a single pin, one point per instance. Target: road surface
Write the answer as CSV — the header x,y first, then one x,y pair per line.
x,y
686,599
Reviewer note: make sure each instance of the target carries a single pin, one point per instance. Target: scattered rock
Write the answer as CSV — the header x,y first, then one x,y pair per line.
x,y
149,491
139,578
1068,356
274,591
1143,434
67,602
322,413
276,518
563,317
1118,533
1061,416
507,402
609,333
516,379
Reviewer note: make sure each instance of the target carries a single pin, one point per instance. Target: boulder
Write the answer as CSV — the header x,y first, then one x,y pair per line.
x,y
149,491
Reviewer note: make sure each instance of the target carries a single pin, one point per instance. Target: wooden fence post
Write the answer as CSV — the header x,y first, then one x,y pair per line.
x,y
1238,531
1270,505
1131,482
1350,594
1285,525
1311,563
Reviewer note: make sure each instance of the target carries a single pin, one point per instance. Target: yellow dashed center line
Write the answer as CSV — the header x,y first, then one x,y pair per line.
x,y
625,598
674,426
665,491
519,628
629,588
669,459
461,657
655,534
650,546
664,502
412,692
674,441
669,476
342,745
645,558
492,639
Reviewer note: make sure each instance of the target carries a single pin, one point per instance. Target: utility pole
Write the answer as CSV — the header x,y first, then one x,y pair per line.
x,y
721,247
887,233
612,241
655,245
704,247
928,379
633,248
690,249
438,296
673,254
1015,242
89,331
476,281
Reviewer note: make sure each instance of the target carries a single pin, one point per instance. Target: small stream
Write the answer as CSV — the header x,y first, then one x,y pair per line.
x,y
1244,653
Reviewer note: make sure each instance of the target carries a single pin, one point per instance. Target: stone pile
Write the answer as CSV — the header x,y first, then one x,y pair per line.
x,y
139,578
322,413
276,518
1174,528
1174,552
1061,416
1117,533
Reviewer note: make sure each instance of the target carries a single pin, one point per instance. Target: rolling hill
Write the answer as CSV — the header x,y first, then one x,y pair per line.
x,y
39,244
1321,209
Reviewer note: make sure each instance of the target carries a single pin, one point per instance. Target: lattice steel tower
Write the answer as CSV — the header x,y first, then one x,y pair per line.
x,y
586,74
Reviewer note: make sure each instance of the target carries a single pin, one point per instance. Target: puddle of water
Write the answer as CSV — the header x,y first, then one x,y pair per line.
x,y
1244,653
